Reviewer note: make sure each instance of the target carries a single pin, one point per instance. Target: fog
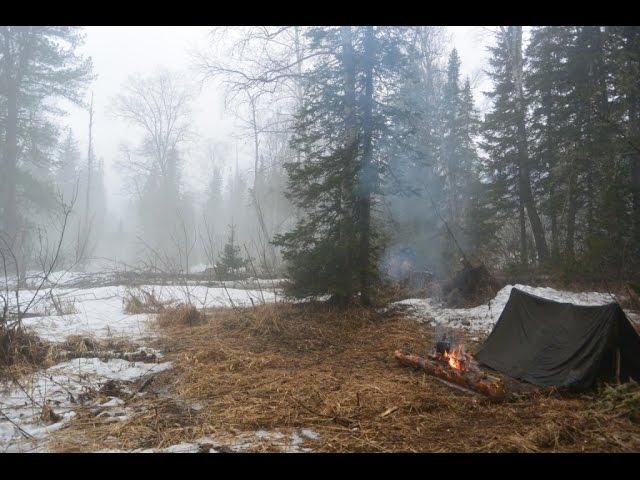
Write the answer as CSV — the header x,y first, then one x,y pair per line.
x,y
216,123
303,148
120,51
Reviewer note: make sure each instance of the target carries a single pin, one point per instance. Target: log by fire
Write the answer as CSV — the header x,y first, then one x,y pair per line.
x,y
456,366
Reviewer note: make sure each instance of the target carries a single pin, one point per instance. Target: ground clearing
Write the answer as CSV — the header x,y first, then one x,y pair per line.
x,y
274,371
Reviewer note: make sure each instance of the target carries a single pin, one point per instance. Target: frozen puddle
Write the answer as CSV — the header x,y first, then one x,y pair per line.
x,y
482,318
61,388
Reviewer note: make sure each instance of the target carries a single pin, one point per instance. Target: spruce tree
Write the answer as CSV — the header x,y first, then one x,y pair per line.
x,y
548,87
67,166
506,140
622,50
231,259
36,63
346,129
213,204
458,153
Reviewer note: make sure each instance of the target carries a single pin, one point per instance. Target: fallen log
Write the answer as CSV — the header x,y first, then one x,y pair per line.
x,y
472,379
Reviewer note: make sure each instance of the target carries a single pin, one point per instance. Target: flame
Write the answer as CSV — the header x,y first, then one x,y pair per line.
x,y
457,358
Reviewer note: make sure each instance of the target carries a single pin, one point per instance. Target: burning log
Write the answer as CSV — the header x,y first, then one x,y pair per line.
x,y
457,369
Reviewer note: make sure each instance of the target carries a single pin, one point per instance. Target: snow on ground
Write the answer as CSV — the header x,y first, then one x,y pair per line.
x,y
99,311
241,442
482,318
61,387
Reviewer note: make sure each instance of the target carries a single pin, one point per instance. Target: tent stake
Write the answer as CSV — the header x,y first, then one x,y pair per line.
x,y
618,366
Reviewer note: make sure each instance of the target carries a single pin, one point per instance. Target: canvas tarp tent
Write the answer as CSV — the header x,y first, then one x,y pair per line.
x,y
549,343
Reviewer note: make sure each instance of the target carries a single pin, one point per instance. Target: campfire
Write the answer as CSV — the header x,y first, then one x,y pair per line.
x,y
457,358
452,364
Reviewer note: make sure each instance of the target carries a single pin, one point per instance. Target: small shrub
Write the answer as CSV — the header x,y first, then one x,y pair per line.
x,y
623,400
60,306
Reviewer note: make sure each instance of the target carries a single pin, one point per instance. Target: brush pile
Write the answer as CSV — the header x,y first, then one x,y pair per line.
x,y
621,400
470,287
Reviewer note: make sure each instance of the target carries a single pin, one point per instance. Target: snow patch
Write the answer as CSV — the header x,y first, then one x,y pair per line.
x,y
242,442
100,310
61,387
483,317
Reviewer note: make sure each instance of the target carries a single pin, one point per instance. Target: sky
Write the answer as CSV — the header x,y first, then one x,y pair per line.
x,y
120,51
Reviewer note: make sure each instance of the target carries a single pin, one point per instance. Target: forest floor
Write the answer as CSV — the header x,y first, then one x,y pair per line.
x,y
306,377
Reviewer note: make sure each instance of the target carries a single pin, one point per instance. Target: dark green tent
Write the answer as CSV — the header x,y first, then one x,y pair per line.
x,y
550,343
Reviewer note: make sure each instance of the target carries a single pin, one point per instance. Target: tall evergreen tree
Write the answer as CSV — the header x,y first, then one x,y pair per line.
x,y
622,50
458,153
548,86
506,138
67,170
36,63
343,130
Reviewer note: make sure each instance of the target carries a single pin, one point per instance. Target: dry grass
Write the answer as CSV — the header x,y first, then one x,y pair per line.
x,y
22,350
84,346
283,367
139,300
180,315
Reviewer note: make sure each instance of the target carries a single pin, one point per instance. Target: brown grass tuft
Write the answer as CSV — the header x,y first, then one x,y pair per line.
x,y
142,301
20,347
180,315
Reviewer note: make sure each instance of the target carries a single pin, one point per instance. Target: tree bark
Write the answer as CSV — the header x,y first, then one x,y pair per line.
x,y
555,243
571,217
635,171
298,82
524,254
254,190
634,124
600,146
11,161
524,176
87,207
350,146
367,179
